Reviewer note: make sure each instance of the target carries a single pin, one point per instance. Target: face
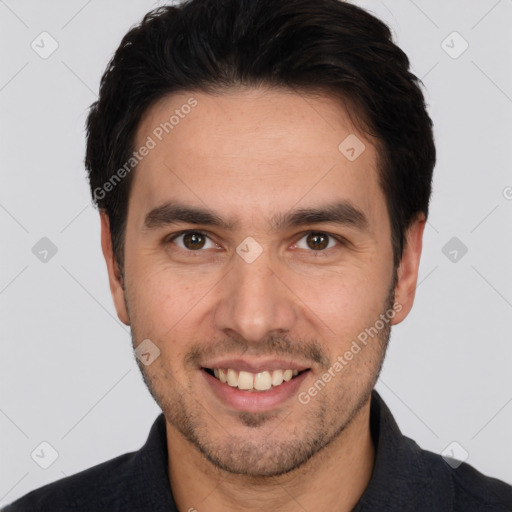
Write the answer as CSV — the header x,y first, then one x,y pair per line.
x,y
256,252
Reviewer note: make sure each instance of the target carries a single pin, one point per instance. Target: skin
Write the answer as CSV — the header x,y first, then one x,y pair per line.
x,y
246,155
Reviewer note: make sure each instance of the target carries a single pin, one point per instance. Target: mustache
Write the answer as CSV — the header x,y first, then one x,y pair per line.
x,y
274,345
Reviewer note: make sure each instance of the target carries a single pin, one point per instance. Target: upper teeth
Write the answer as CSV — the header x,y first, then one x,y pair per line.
x,y
260,381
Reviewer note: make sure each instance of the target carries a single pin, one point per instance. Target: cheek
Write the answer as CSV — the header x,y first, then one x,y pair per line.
x,y
349,294
164,300
344,306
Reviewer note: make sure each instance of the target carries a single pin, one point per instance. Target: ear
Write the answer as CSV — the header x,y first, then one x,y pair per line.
x,y
114,275
407,277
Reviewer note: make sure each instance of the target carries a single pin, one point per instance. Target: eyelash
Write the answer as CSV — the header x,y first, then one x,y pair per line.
x,y
170,239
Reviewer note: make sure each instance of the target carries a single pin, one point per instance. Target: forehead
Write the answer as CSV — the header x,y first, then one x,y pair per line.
x,y
253,152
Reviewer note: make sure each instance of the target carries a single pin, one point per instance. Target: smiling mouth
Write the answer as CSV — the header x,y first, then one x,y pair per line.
x,y
247,381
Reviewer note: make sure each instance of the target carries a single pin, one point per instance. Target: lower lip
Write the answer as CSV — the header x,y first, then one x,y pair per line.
x,y
254,401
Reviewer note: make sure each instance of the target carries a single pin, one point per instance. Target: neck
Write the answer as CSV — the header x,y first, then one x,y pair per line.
x,y
333,479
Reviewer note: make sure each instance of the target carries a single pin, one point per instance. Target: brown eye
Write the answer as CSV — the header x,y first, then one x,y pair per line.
x,y
192,240
317,241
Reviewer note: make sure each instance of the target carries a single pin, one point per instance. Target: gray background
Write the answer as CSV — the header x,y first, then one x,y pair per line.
x,y
67,373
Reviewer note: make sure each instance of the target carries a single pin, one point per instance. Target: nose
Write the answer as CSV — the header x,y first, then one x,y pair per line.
x,y
255,301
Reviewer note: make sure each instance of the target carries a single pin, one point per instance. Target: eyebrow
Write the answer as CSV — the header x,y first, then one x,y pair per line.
x,y
343,213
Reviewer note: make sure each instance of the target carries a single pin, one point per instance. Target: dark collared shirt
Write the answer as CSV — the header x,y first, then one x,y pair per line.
x,y
405,478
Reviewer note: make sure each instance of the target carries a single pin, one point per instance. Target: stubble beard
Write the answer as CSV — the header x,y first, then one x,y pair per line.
x,y
275,454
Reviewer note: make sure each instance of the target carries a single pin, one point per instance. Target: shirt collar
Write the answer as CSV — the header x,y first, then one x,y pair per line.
x,y
151,483
401,478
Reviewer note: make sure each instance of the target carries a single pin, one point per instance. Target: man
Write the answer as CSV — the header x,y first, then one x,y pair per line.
x,y
263,172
